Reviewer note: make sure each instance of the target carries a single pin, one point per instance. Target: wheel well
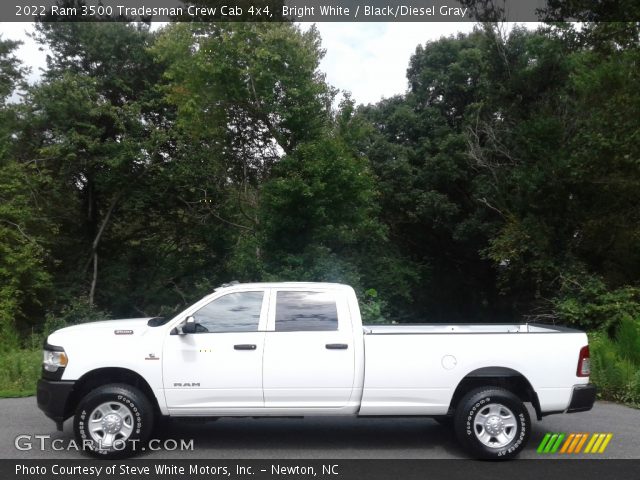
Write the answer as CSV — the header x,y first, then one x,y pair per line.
x,y
103,376
506,378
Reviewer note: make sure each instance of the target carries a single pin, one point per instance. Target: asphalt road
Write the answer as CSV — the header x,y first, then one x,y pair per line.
x,y
320,437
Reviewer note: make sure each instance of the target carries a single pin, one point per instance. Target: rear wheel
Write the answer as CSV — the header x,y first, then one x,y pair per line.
x,y
492,423
113,421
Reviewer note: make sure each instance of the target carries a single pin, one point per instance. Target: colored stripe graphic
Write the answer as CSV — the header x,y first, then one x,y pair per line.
x,y
568,442
582,440
573,443
607,439
599,443
591,443
555,447
576,439
543,443
550,443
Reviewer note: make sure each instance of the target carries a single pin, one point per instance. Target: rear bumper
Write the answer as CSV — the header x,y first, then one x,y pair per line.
x,y
582,398
53,399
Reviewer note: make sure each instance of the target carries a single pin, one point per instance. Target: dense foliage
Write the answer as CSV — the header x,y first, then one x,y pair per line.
x,y
146,168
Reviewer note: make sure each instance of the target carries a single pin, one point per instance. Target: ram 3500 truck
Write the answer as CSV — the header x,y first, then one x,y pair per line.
x,y
299,349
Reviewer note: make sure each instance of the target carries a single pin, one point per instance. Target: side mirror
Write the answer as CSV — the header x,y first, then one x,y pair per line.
x,y
189,326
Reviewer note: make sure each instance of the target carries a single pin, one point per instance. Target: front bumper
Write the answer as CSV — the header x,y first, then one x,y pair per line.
x,y
53,399
582,398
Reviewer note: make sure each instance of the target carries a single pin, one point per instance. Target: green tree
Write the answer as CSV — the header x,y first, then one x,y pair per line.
x,y
316,214
24,281
246,95
418,151
98,127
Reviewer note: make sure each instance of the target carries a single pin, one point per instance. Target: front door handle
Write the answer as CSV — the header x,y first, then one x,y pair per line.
x,y
244,346
336,346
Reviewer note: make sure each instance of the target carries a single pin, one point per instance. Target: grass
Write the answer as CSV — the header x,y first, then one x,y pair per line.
x,y
19,372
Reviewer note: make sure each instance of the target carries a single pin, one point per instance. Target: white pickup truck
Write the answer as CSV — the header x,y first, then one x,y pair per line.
x,y
298,349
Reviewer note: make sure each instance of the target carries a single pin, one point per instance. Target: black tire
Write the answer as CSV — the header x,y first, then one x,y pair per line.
x,y
506,444
136,416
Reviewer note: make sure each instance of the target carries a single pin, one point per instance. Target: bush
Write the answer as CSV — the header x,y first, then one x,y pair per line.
x,y
586,302
628,340
9,340
77,311
19,372
372,308
615,362
612,316
20,367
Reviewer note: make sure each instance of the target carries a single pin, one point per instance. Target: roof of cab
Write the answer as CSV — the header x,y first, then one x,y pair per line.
x,y
327,285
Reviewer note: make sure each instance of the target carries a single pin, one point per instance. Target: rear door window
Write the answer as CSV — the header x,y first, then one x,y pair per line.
x,y
306,311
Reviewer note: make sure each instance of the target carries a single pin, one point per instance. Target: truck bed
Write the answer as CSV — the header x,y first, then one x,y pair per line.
x,y
414,369
440,328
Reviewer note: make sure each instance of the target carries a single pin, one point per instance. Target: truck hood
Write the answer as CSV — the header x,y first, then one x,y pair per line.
x,y
125,328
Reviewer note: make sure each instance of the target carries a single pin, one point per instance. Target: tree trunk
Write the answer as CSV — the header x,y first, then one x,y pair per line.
x,y
94,280
94,247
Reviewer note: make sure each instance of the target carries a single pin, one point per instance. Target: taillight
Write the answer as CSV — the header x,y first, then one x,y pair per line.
x,y
584,369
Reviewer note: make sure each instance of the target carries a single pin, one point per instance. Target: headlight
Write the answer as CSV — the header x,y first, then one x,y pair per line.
x,y
52,360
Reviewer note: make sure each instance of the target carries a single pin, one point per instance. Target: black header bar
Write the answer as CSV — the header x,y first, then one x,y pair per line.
x,y
320,10
335,469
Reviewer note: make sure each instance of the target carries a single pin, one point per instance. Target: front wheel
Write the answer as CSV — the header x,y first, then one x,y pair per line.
x,y
113,421
492,423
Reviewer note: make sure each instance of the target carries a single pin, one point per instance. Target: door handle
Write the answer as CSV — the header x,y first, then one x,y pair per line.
x,y
244,346
336,346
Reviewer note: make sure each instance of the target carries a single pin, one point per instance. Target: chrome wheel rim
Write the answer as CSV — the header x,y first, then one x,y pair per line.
x,y
495,425
111,424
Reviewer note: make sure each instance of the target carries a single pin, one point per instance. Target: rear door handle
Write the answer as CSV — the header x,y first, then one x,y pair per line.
x,y
244,346
336,346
